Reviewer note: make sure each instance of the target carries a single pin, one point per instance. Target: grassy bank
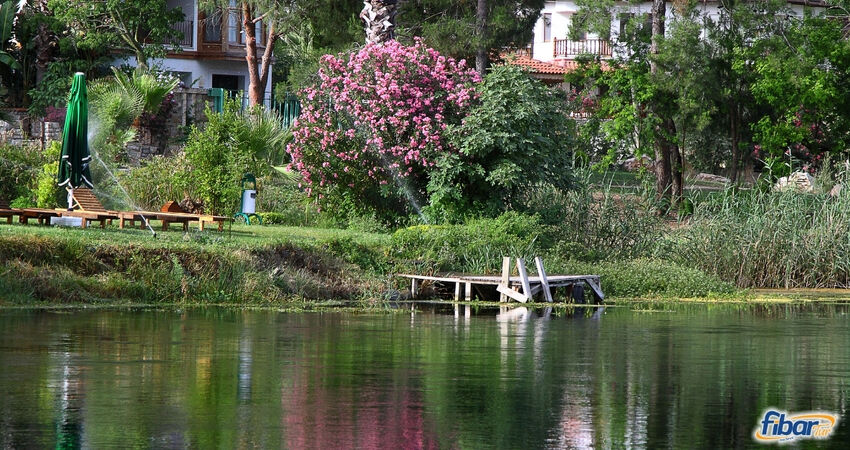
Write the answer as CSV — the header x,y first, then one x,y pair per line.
x,y
277,265
257,265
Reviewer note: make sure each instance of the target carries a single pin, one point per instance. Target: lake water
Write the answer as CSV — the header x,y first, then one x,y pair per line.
x,y
680,376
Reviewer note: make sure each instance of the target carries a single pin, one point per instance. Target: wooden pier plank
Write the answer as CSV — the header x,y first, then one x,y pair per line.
x,y
541,272
523,277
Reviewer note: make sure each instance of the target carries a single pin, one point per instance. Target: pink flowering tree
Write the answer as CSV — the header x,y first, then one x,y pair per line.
x,y
373,127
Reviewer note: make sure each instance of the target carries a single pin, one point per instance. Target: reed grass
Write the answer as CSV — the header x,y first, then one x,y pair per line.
x,y
767,239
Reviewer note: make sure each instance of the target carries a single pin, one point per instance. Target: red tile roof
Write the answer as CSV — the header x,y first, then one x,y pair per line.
x,y
556,67
537,66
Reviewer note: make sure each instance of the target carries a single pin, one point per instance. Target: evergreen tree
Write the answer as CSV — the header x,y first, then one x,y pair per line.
x,y
463,28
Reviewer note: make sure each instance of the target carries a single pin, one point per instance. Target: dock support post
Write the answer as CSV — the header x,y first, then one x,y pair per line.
x,y
414,287
541,272
468,294
457,291
523,277
506,277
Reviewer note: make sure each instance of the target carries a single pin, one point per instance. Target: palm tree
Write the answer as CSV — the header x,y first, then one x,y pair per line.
x,y
7,20
379,20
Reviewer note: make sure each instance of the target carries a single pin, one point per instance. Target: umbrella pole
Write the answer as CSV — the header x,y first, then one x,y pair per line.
x,y
70,198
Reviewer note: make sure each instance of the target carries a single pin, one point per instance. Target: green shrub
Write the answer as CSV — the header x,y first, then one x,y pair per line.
x,y
477,246
29,176
644,278
158,180
593,223
281,202
47,193
220,154
514,137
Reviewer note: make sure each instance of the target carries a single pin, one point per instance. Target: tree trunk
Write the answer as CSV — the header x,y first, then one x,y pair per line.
x,y
482,59
379,20
663,147
734,138
46,43
677,163
258,71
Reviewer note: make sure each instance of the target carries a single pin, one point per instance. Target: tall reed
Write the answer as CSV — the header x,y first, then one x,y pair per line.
x,y
767,239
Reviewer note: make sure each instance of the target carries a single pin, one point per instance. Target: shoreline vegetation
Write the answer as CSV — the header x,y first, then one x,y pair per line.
x,y
696,259
730,246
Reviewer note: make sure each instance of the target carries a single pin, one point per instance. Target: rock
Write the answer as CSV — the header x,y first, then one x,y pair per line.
x,y
835,191
192,206
798,181
635,164
712,178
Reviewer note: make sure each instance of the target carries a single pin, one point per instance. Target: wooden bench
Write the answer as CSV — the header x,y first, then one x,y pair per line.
x,y
167,218
6,211
88,208
42,215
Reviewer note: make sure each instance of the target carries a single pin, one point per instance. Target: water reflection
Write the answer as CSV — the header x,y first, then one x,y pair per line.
x,y
431,377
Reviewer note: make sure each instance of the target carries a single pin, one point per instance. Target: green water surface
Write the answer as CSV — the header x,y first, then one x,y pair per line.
x,y
671,376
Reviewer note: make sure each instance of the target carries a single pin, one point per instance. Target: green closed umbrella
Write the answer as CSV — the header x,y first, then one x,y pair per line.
x,y
74,162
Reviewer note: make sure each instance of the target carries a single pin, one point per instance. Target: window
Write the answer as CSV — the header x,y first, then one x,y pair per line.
x,y
624,23
547,27
234,24
212,27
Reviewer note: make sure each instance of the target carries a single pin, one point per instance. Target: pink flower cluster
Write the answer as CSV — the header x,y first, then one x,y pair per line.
x,y
378,113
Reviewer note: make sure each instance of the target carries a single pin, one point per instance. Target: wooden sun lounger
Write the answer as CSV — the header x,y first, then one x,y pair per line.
x,y
42,215
167,218
89,208
6,211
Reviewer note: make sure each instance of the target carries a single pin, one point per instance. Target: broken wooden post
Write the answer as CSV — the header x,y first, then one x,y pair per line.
x,y
414,287
596,287
506,277
523,277
541,272
504,290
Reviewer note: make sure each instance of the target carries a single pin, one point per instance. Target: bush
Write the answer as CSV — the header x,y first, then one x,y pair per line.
x,y
219,155
645,278
515,136
373,128
158,180
29,176
594,223
477,246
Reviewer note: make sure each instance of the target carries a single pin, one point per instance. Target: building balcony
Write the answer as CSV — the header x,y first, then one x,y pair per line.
x,y
187,27
565,48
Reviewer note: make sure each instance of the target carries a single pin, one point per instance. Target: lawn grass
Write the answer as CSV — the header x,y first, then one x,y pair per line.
x,y
235,236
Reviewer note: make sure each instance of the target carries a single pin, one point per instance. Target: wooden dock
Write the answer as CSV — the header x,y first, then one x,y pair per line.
x,y
521,288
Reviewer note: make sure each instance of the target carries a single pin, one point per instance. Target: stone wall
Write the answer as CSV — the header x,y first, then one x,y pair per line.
x,y
166,139
21,130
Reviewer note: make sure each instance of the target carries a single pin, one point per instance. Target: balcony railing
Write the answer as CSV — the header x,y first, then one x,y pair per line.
x,y
566,48
186,27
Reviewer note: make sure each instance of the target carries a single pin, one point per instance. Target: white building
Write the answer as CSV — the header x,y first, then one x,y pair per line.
x,y
552,43
212,49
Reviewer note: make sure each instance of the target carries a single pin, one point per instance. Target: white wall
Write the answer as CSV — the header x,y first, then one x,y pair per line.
x,y
203,70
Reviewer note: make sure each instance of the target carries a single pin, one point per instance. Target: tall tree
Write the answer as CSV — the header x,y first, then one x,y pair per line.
x,y
469,28
379,20
663,163
481,58
142,28
258,17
